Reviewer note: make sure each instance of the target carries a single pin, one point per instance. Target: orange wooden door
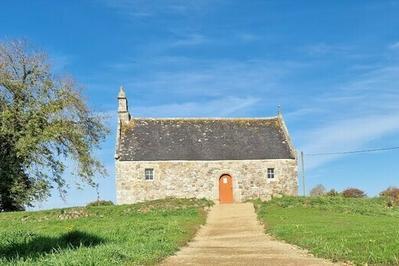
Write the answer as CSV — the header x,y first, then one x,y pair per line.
x,y
226,189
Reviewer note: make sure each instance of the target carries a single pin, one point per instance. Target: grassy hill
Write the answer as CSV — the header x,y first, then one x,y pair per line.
x,y
342,229
358,230
141,233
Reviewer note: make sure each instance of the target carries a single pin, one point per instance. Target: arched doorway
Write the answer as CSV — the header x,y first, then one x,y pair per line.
x,y
225,189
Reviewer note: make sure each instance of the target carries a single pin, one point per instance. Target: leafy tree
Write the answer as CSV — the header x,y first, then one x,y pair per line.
x,y
353,193
391,194
43,122
332,193
318,190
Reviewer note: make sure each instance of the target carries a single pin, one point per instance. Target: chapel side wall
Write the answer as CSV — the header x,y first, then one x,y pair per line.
x,y
187,179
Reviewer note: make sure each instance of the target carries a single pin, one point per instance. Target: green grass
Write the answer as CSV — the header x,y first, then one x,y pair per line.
x,y
362,231
136,234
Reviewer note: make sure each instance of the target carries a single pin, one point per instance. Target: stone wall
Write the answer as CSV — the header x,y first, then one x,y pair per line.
x,y
200,179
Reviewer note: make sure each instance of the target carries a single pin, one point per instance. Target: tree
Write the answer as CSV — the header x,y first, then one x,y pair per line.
x,y
43,123
391,194
332,193
353,193
318,190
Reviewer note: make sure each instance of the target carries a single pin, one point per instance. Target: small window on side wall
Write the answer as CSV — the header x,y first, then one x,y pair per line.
x,y
149,174
270,173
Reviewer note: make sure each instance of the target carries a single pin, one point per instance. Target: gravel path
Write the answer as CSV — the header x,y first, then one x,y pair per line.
x,y
233,236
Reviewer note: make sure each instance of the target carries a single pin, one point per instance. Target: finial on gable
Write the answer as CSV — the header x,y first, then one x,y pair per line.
x,y
279,110
122,93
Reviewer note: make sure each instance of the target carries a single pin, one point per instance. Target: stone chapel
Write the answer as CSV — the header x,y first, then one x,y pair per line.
x,y
222,159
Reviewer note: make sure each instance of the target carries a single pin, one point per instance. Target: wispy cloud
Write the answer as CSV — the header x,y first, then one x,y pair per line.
x,y
182,86
214,78
248,37
348,134
394,46
141,9
356,113
304,112
190,40
319,49
222,107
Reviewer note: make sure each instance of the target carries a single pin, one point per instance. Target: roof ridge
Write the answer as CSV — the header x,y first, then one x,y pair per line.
x,y
205,118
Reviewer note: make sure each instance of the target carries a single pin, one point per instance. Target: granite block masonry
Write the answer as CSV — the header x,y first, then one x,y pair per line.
x,y
186,157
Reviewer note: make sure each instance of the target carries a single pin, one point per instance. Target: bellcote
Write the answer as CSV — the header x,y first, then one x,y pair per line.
x,y
123,108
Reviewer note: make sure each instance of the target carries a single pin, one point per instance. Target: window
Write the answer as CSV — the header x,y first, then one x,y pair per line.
x,y
270,173
149,174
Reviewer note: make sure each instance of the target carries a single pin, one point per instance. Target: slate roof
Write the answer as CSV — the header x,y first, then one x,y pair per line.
x,y
203,139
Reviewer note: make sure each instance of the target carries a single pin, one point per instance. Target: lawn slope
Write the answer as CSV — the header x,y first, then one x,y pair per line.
x,y
135,234
358,230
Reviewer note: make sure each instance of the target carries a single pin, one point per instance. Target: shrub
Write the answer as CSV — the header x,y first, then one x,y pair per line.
x,y
318,190
353,193
100,203
391,194
332,193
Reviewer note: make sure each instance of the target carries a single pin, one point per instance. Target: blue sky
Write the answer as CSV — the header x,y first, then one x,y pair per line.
x,y
333,66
